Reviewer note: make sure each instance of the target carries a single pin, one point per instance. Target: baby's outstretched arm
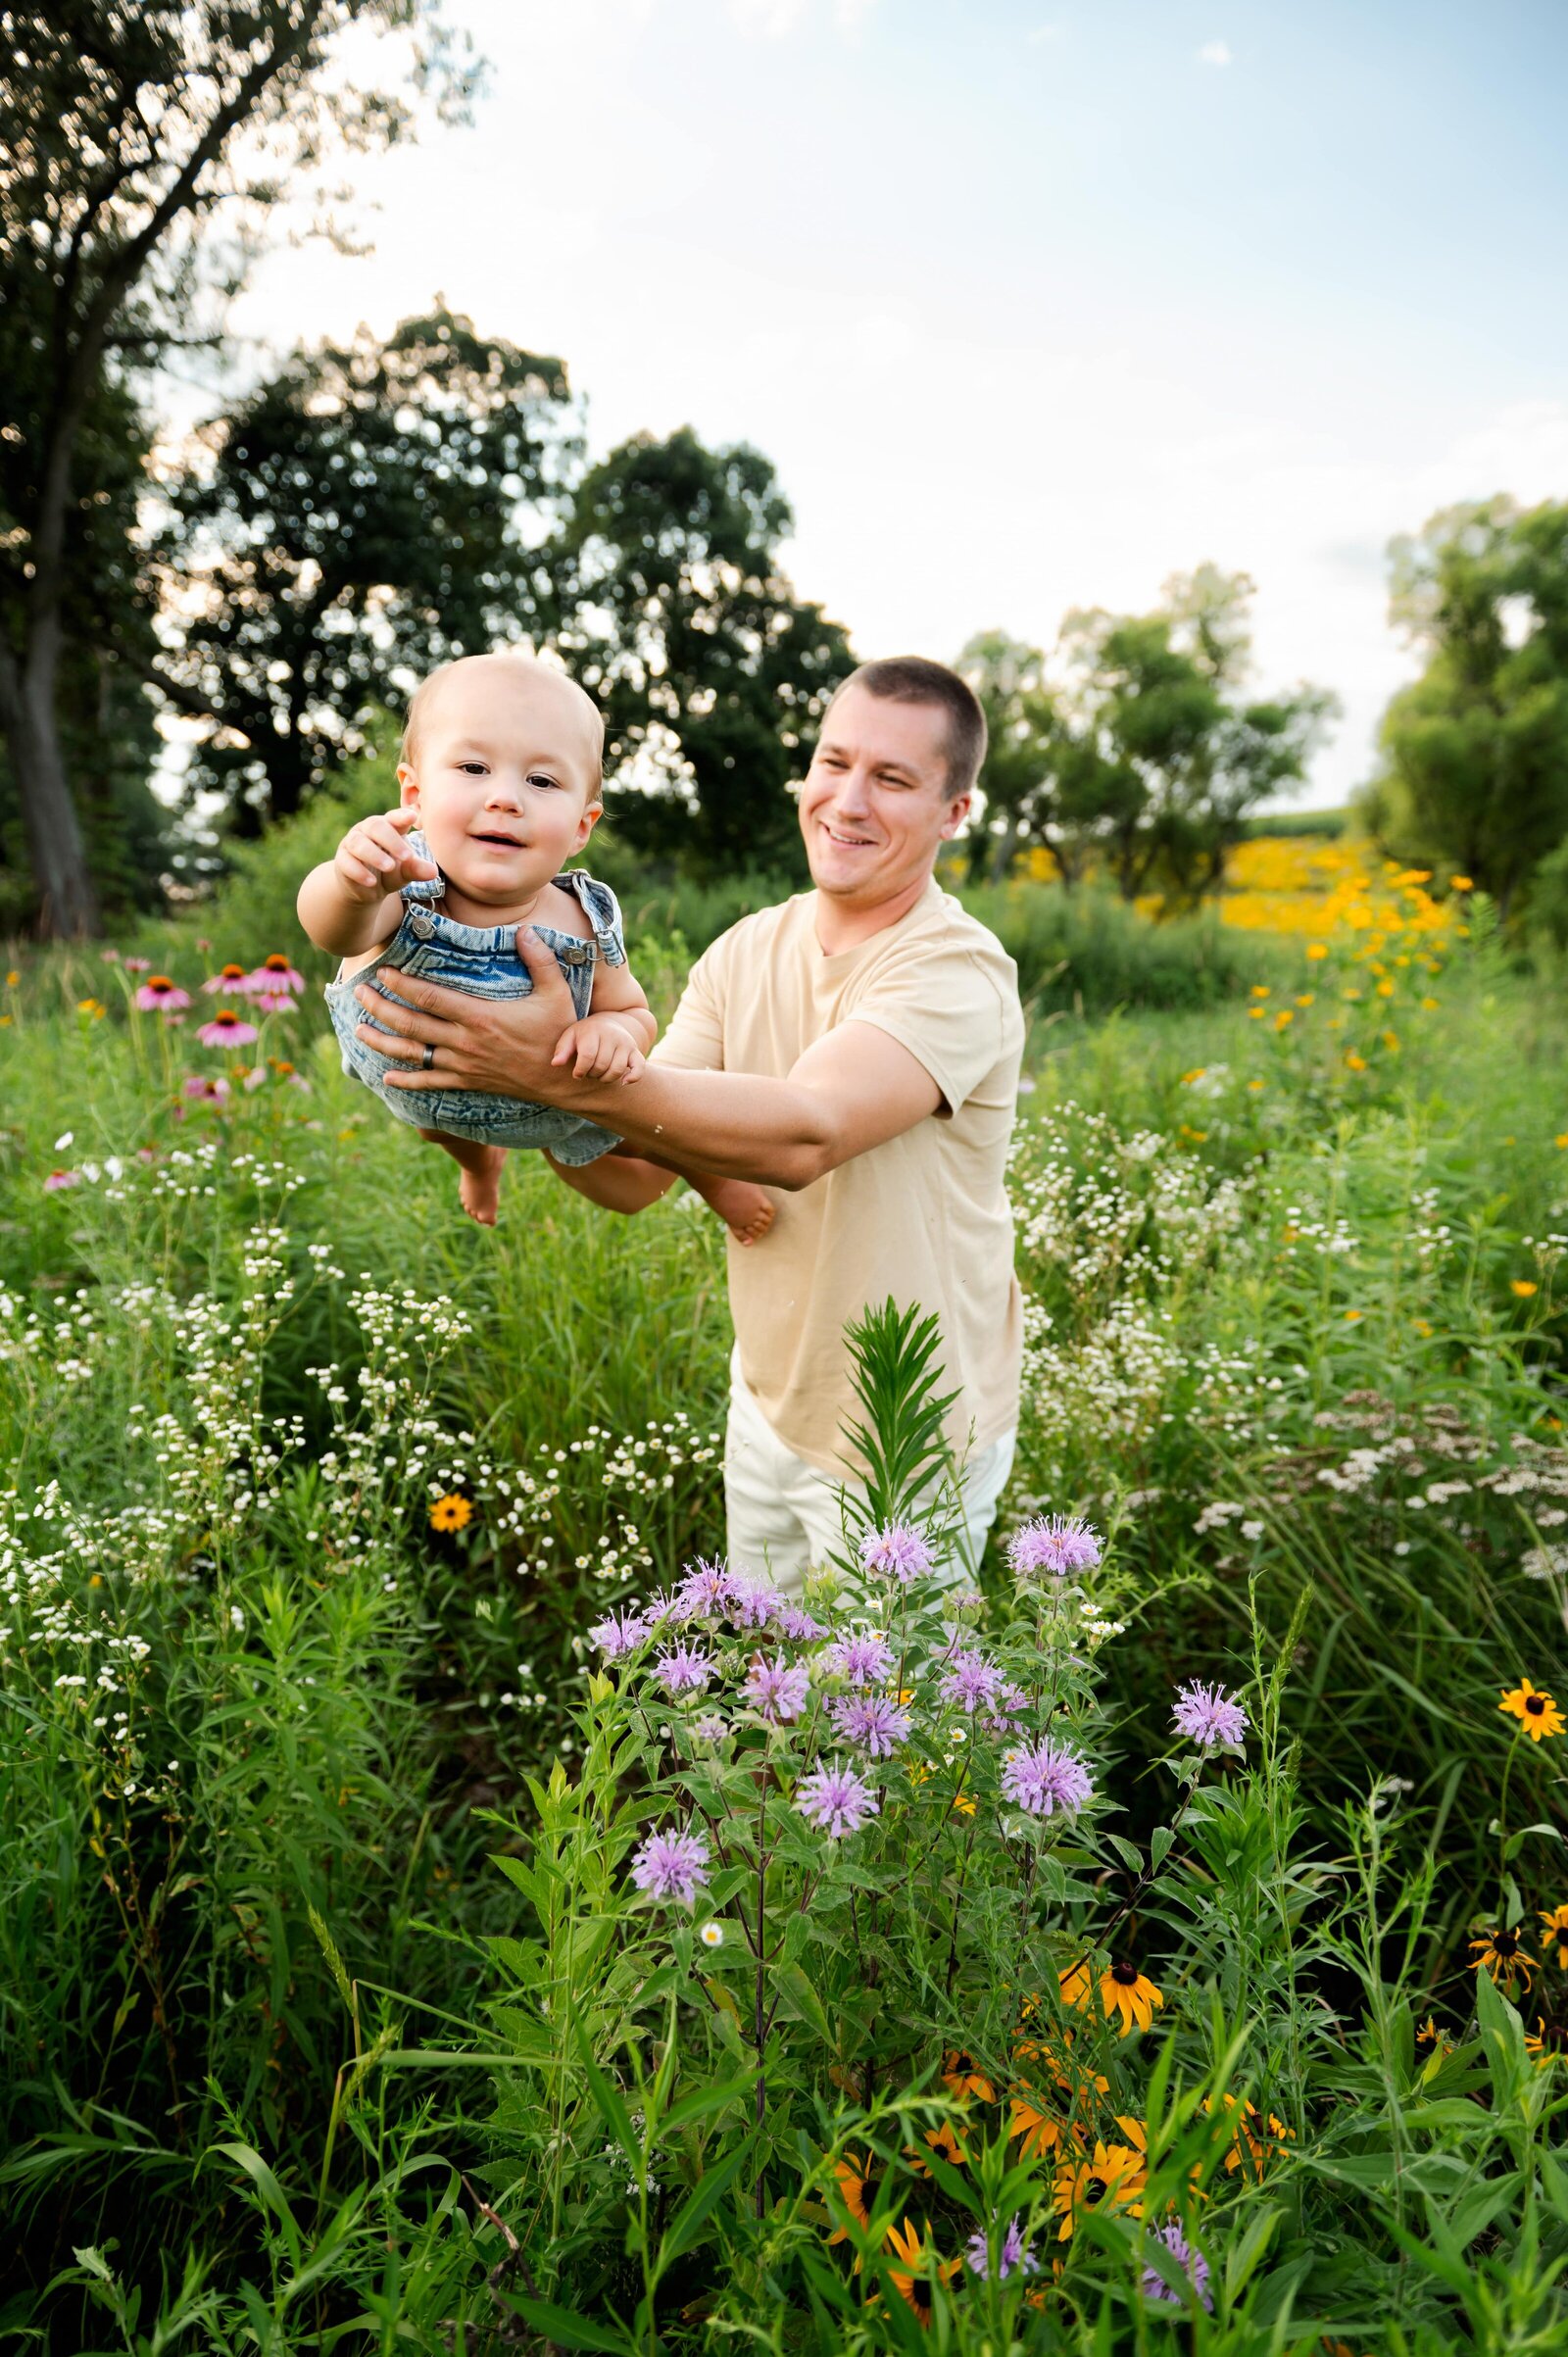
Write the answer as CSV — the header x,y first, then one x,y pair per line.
x,y
351,902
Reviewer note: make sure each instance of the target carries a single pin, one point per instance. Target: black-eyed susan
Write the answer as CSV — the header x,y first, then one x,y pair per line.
x,y
1549,2041
1554,1934
1041,2132
1111,2178
963,2079
1430,2040
451,1513
1526,1288
944,2143
1128,1994
1538,1714
1078,1983
1253,2143
1501,1953
913,2281
857,2175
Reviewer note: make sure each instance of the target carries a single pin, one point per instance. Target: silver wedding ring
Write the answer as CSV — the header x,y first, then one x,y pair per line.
x,y
429,1057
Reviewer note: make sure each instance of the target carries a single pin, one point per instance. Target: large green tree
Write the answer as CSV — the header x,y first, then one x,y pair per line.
x,y
143,146
712,673
370,510
1475,750
1136,746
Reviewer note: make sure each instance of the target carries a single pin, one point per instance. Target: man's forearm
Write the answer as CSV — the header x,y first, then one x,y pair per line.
x,y
733,1124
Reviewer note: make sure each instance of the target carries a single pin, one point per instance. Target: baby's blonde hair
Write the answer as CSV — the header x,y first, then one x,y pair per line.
x,y
422,695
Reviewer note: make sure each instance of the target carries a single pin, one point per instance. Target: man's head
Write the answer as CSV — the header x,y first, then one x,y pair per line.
x,y
502,760
890,780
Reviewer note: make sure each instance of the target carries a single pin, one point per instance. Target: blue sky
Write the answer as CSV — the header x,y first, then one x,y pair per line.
x,y
1031,306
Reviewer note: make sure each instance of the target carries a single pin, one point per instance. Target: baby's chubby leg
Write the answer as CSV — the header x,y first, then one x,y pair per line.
x,y
479,1188
629,1182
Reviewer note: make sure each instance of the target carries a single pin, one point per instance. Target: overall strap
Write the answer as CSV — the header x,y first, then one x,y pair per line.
x,y
602,909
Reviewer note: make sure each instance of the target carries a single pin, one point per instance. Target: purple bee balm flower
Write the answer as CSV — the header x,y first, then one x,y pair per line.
x,y
671,1865
970,1684
751,1604
1182,2251
799,1625
1014,2254
896,1552
683,1670
836,1800
706,1587
1056,1544
863,1660
1210,1717
873,1723
710,1728
1008,1705
617,1633
778,1690
1045,1777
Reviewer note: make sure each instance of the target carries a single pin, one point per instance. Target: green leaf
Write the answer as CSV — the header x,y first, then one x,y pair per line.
x,y
703,2101
799,2000
569,2332
615,2116
686,2226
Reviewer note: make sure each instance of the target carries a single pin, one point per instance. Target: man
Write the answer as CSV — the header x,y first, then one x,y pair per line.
x,y
858,1050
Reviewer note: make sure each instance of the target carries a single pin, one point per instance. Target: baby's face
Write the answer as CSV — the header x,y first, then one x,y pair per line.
x,y
503,777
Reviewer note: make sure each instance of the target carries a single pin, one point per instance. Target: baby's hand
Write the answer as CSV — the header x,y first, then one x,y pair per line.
x,y
373,859
599,1047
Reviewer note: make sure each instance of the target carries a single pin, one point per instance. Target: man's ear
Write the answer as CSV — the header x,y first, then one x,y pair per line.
x,y
408,787
957,811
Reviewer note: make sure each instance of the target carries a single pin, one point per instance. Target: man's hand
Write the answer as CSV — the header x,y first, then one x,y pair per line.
x,y
601,1048
501,1046
373,859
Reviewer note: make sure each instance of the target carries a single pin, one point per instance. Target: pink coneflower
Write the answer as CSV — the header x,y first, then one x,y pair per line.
x,y
896,1552
777,1691
211,1092
159,995
226,1030
671,1865
232,983
58,1180
1056,1544
275,974
1210,1717
836,1800
138,965
1045,1777
274,1001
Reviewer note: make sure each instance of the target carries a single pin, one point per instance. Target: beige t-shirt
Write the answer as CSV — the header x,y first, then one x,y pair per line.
x,y
923,1217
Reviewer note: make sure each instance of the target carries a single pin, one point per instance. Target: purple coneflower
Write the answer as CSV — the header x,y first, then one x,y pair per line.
x,y
865,1660
158,994
1045,1777
618,1632
211,1092
683,1670
231,983
1056,1544
835,1799
226,1030
272,1002
135,966
873,1723
970,1684
275,977
1182,2251
778,1690
671,1865
1014,2252
59,1180
896,1552
1210,1717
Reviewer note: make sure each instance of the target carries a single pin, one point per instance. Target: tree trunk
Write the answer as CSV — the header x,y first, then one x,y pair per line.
x,y
68,906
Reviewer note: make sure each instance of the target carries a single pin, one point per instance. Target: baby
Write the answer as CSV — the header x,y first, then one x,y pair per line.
x,y
499,779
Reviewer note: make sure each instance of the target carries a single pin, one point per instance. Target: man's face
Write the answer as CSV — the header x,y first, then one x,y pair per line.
x,y
876,807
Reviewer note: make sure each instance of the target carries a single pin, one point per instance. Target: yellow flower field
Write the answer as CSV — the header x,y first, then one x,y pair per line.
x,y
1305,885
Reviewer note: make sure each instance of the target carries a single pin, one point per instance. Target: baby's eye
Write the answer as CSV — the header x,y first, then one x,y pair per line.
x,y
540,777
471,768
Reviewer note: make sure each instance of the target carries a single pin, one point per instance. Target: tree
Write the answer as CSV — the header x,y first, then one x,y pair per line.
x,y
370,510
712,673
1475,750
1139,751
129,129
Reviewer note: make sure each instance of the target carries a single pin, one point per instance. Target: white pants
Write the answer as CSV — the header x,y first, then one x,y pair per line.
x,y
784,1516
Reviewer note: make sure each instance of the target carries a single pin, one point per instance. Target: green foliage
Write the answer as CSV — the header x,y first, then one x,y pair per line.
x,y
1475,768
366,513
1136,753
712,673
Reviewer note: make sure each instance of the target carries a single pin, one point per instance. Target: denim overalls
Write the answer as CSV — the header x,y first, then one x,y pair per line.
x,y
483,961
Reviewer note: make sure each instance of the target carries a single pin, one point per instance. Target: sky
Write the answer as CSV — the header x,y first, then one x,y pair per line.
x,y
1031,306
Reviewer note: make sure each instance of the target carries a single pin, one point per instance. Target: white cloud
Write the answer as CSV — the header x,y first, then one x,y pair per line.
x,y
1215,53
1043,33
768,20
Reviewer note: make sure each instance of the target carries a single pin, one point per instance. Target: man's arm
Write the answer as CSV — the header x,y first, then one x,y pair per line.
x,y
851,1090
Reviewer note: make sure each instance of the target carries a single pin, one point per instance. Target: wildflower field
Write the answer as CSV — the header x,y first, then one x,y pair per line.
x,y
445,1907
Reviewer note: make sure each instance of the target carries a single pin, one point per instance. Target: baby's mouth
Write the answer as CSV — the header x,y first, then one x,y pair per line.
x,y
510,841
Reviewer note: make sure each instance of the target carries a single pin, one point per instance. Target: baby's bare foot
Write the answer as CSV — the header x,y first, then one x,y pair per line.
x,y
479,1187
746,1211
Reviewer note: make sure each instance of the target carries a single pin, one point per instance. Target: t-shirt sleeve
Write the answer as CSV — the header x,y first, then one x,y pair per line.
x,y
695,1039
953,1006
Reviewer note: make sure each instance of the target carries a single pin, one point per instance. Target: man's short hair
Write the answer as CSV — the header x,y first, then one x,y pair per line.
x,y
915,679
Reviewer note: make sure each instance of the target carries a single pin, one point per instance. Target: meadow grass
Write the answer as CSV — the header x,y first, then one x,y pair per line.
x,y
1293,1339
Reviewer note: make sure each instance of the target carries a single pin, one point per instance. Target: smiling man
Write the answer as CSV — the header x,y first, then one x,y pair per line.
x,y
856,1049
